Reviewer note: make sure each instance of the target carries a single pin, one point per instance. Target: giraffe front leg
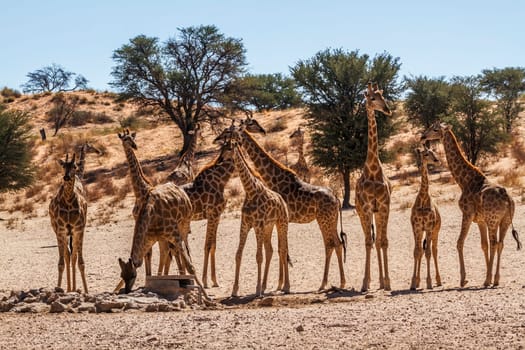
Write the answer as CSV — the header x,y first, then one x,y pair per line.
x,y
258,258
366,224
61,262
81,264
67,259
418,253
428,253
282,245
243,235
268,252
465,226
73,262
384,277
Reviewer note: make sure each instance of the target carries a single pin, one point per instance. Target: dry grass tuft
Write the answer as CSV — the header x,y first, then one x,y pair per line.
x,y
517,149
512,178
279,124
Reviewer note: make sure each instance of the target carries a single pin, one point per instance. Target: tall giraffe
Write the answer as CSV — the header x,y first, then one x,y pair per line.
x,y
162,213
487,204
206,194
373,193
67,211
426,220
262,210
305,202
300,167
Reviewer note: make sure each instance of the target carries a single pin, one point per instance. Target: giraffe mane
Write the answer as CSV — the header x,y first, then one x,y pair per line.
x,y
275,161
462,154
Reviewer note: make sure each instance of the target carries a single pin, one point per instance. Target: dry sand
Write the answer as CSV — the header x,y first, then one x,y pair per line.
x,y
445,317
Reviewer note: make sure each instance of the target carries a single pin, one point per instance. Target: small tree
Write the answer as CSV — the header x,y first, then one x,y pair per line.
x,y
16,170
333,84
476,126
53,78
64,107
186,76
268,92
428,99
506,85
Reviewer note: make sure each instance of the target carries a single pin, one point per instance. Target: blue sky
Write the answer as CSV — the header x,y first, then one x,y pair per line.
x,y
432,38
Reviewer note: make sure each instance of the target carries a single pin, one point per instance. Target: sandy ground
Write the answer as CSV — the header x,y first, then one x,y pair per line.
x,y
445,317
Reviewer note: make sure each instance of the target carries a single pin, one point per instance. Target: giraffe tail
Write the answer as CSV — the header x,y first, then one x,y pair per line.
x,y
516,236
69,239
342,234
289,260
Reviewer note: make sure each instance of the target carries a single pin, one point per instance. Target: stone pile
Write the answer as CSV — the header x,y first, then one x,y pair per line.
x,y
46,300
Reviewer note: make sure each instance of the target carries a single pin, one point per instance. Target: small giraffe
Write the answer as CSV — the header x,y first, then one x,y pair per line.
x,y
373,193
85,148
162,214
305,202
481,202
183,172
425,218
67,211
262,210
300,167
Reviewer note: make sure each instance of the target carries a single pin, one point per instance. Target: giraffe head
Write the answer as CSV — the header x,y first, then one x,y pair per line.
x,y
435,132
298,133
128,273
426,157
128,139
375,100
234,132
70,167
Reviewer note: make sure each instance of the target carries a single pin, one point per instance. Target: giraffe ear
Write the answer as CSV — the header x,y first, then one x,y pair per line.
x,y
61,162
133,134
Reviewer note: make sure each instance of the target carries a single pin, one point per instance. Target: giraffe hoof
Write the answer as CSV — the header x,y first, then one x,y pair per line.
x,y
464,283
215,285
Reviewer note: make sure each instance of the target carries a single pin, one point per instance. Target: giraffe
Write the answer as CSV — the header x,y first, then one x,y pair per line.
x,y
425,218
85,148
162,213
300,167
183,172
262,210
67,211
141,187
305,202
206,194
373,193
489,205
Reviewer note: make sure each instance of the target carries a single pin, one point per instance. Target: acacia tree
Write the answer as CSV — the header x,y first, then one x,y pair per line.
x,y
64,107
53,78
332,84
427,100
16,170
185,76
506,85
478,128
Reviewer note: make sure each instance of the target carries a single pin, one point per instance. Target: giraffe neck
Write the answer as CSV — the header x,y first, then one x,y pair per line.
x,y
273,173
68,190
249,181
219,171
372,163
138,248
141,185
424,195
465,174
81,162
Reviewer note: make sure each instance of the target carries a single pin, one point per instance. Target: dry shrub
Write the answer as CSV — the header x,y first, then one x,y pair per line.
x,y
34,190
405,205
276,149
22,205
104,214
517,149
512,178
446,178
103,186
279,124
11,223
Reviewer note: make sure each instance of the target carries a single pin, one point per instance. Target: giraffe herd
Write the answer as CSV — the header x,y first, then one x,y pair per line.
x,y
276,196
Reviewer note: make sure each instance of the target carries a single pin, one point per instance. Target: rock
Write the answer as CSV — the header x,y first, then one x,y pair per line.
x,y
152,308
299,328
67,299
266,302
6,305
131,306
369,296
87,307
59,290
108,305
30,300
57,307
